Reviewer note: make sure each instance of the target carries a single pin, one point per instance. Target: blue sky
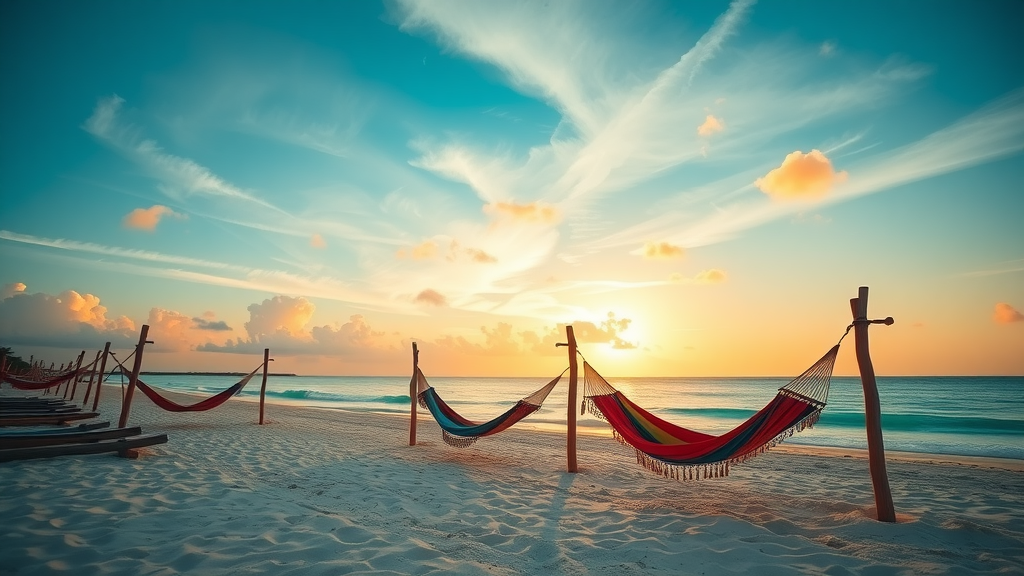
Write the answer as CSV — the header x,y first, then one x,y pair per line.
x,y
680,180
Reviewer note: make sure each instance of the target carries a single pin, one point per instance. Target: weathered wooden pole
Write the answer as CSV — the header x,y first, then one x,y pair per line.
x,y
78,376
872,407
92,377
103,374
263,387
570,417
413,393
126,404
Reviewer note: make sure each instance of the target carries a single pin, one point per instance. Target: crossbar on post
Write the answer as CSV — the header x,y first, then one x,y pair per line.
x,y
872,408
413,394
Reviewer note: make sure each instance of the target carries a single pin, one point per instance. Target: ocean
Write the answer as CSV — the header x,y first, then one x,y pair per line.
x,y
954,415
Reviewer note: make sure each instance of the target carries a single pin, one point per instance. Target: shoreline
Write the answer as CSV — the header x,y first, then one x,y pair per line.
x,y
603,431
334,491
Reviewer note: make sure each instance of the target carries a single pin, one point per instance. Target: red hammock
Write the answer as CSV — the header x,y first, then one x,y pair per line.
x,y
21,384
201,406
678,452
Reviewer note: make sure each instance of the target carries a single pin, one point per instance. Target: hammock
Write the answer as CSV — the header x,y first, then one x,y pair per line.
x,y
57,380
461,432
201,406
676,452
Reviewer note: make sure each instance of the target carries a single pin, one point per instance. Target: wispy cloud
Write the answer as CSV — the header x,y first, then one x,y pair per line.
x,y
260,280
622,129
130,253
995,131
178,176
1007,267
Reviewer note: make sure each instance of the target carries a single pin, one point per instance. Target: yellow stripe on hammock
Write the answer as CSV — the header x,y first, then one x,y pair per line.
x,y
660,435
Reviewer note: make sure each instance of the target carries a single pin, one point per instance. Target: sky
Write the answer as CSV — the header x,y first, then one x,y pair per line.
x,y
698,188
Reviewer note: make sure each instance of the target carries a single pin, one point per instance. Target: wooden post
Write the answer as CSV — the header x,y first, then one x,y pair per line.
x,y
872,408
103,373
263,387
413,393
126,404
92,376
570,419
74,381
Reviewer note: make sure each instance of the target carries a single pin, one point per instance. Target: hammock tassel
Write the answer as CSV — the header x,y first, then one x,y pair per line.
x,y
457,441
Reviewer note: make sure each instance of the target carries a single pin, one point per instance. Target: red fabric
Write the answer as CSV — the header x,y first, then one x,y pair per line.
x,y
207,404
778,416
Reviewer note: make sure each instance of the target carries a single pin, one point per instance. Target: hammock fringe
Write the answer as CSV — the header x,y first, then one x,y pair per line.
x,y
458,441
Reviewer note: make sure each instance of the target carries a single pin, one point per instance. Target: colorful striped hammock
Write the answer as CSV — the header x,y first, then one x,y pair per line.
x,y
676,452
460,432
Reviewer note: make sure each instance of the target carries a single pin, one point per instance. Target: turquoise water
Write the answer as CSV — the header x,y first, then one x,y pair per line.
x,y
972,416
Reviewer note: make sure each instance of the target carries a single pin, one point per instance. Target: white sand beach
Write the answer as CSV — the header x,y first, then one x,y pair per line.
x,y
333,492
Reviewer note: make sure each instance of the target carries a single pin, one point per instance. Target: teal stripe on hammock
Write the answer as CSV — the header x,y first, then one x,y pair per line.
x,y
452,427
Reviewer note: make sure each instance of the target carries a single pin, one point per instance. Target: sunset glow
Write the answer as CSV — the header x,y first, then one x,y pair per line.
x,y
698,188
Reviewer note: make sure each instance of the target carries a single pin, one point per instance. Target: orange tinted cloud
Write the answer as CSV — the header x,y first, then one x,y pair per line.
x,y
431,297
502,340
148,218
801,176
170,330
499,341
456,253
1006,314
656,250
710,126
279,324
69,319
480,257
279,315
317,241
424,251
712,276
11,289
534,212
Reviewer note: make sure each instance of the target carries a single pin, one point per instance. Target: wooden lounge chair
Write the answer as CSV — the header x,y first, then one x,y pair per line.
x,y
39,409
123,446
12,432
43,419
72,436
